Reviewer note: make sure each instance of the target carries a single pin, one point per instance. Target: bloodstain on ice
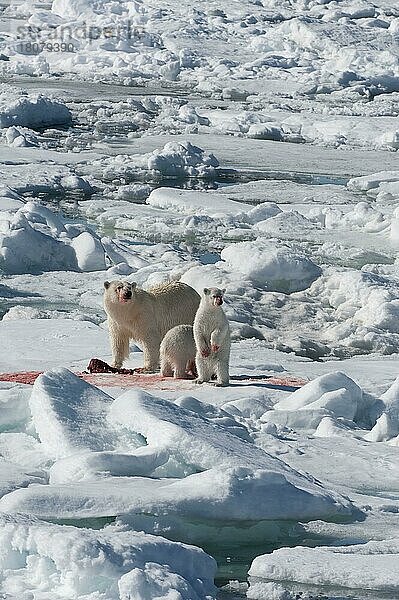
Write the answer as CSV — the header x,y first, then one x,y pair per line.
x,y
101,374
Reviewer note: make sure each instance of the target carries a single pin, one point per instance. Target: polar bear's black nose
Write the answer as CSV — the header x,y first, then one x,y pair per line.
x,y
127,294
218,300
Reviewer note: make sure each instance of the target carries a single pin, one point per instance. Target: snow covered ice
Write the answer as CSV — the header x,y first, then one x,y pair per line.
x,y
333,568
64,561
248,146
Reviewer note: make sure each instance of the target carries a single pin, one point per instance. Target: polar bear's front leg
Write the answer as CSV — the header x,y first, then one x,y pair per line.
x,y
202,344
119,339
151,354
217,339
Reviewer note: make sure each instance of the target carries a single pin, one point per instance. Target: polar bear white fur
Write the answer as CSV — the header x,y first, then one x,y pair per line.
x,y
212,338
178,352
146,316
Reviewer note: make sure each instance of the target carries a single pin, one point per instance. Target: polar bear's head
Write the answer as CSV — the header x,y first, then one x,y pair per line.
x,y
119,291
214,296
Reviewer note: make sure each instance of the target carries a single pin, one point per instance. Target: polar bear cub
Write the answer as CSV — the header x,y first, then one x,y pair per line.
x,y
178,352
212,338
146,316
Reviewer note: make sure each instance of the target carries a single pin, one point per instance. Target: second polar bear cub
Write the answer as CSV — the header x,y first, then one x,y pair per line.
x,y
212,338
178,352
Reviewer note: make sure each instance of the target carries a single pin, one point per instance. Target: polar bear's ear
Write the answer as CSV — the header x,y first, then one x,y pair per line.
x,y
106,284
133,285
223,291
206,291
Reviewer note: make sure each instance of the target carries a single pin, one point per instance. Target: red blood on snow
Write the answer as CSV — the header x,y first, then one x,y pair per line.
x,y
101,374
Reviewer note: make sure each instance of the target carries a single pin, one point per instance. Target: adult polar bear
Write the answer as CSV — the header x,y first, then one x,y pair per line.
x,y
146,316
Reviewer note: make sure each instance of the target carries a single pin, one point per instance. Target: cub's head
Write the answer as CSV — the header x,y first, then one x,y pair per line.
x,y
214,296
119,291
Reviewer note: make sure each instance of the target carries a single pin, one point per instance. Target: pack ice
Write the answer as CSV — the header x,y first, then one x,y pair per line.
x,y
117,447
100,492
160,467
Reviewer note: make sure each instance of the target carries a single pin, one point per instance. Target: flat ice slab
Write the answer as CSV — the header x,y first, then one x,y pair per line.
x,y
50,343
347,570
194,203
266,155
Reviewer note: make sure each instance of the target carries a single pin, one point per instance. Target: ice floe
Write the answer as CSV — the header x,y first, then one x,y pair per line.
x,y
36,227
47,559
277,268
365,568
206,469
32,111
